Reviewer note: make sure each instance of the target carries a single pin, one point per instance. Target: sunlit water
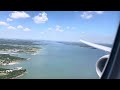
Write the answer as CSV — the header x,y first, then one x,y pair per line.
x,y
60,61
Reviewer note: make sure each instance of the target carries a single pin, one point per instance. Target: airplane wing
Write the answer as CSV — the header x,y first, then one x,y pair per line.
x,y
101,47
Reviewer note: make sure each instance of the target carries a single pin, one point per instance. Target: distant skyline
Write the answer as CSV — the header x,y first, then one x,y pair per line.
x,y
94,26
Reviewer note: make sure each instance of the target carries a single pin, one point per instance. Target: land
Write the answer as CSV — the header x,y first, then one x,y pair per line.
x,y
77,44
82,44
6,59
18,42
11,73
18,49
8,47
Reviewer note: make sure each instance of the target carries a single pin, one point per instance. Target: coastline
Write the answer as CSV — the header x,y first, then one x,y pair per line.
x,y
18,75
12,63
28,58
36,53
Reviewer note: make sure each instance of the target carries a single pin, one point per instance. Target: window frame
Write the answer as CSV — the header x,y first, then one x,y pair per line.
x,y
112,66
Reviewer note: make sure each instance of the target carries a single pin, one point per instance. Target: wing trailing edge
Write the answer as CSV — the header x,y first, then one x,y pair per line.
x,y
101,47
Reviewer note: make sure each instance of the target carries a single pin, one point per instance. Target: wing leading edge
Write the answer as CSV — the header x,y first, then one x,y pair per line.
x,y
101,47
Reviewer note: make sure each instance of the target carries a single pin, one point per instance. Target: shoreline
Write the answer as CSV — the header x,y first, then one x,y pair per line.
x,y
12,63
19,75
28,58
36,53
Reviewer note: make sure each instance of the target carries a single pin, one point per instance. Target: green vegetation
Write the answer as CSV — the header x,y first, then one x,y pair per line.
x,y
6,59
3,69
19,48
13,74
9,57
7,47
15,46
18,42
29,49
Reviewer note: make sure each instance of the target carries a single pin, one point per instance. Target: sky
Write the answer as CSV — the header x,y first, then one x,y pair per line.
x,y
93,26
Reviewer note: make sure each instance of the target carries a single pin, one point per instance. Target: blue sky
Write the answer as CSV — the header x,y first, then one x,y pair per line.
x,y
94,26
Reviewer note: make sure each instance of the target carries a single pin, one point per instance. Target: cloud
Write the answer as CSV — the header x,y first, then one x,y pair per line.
x,y
26,29
49,29
58,28
99,12
70,27
42,32
86,15
23,28
3,23
11,28
73,28
83,32
9,19
19,14
41,18
20,27
89,14
67,27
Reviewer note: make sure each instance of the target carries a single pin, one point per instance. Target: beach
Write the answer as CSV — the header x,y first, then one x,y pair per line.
x,y
12,63
18,76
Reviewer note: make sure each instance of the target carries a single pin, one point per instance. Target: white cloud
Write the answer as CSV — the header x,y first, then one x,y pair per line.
x,y
73,28
49,29
23,28
99,12
3,23
41,18
42,32
9,19
11,27
58,28
68,27
83,32
20,27
19,14
26,29
89,14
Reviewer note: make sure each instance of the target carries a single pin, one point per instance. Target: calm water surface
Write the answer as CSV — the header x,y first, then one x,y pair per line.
x,y
57,60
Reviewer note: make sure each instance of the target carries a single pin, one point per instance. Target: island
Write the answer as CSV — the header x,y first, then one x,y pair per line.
x,y
31,50
11,73
6,59
8,50
13,49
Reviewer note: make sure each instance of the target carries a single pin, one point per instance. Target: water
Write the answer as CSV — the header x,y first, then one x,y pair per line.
x,y
60,61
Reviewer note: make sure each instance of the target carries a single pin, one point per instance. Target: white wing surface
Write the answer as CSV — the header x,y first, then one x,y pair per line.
x,y
101,47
